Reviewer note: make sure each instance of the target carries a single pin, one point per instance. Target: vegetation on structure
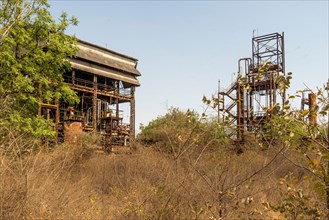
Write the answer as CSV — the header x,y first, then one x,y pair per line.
x,y
184,166
290,130
34,53
170,176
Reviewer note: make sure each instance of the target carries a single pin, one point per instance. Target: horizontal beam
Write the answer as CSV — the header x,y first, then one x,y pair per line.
x,y
99,92
44,105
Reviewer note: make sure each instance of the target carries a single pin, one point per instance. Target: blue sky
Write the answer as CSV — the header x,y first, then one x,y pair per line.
x,y
185,47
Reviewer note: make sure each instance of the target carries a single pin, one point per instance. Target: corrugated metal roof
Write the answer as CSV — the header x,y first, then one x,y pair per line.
x,y
106,59
103,71
105,49
104,62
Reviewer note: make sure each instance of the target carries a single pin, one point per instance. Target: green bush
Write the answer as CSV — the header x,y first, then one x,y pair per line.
x,y
178,132
285,129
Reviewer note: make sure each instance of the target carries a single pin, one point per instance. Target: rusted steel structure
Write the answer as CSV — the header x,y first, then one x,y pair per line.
x,y
309,99
250,100
104,80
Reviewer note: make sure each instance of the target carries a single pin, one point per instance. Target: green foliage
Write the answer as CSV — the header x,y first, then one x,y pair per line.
x,y
295,204
34,52
179,131
174,120
293,130
284,129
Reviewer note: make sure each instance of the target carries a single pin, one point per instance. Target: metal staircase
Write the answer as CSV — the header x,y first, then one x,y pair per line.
x,y
255,88
229,109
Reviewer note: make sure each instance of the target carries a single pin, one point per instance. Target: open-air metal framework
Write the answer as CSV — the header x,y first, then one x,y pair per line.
x,y
249,101
103,80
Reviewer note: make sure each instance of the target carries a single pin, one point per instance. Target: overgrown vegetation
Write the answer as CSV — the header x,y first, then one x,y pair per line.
x,y
290,129
309,140
34,52
184,167
178,132
76,183
170,176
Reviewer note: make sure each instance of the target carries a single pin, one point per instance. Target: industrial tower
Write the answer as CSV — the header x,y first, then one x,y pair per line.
x,y
250,100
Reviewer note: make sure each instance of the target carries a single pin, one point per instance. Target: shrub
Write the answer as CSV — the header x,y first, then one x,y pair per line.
x,y
180,132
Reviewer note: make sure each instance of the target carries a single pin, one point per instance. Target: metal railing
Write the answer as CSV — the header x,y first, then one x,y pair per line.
x,y
78,81
101,87
231,87
230,105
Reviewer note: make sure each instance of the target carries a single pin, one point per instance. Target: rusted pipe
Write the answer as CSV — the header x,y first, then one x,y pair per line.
x,y
247,60
312,105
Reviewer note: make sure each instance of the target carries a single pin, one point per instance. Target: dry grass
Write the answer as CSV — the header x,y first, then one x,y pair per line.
x,y
71,182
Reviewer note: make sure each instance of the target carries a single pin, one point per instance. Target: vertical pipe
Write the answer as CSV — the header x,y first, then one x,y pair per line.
x,y
302,102
283,68
56,120
327,182
253,53
218,97
328,121
270,91
312,105
82,102
40,99
242,112
251,105
117,100
240,119
95,103
48,113
73,77
132,116
238,112
223,109
117,108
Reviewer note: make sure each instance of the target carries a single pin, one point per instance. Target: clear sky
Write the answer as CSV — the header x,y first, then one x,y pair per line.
x,y
185,47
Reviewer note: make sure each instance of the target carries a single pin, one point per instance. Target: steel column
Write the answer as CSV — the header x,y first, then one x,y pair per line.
x,y
56,120
132,116
95,103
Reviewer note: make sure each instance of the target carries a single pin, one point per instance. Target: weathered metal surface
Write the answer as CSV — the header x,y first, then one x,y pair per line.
x,y
57,120
132,116
312,105
48,108
107,58
103,80
95,103
104,71
105,50
252,103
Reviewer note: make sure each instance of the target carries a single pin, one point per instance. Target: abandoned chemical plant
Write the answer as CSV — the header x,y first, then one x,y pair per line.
x,y
111,110
103,80
254,96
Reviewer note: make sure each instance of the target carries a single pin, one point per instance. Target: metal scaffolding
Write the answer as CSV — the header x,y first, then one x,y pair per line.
x,y
103,80
253,97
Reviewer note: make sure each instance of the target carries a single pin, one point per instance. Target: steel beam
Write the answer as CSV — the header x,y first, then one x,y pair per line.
x,y
132,116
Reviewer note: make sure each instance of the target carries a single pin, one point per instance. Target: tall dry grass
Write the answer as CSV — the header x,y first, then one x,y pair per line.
x,y
72,182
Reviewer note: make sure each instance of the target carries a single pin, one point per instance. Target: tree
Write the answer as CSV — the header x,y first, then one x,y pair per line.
x,y
290,129
34,52
181,133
